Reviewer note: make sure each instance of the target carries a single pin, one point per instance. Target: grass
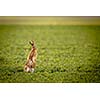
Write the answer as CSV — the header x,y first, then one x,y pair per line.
x,y
65,53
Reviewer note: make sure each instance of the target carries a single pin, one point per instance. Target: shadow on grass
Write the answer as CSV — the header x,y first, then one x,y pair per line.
x,y
19,70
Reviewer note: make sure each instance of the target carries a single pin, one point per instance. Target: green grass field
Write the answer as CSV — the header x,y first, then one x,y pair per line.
x,y
65,53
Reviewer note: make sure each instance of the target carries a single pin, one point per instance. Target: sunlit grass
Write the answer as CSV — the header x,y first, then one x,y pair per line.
x,y
65,53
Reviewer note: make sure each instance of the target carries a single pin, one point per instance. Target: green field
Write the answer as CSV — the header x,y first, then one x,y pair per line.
x,y
65,53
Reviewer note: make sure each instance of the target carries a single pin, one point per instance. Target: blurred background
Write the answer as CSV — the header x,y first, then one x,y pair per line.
x,y
51,20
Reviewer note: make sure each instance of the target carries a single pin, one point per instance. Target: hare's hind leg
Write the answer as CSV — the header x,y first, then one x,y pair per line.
x,y
27,69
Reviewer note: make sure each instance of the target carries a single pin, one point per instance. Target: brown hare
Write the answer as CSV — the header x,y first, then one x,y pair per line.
x,y
31,59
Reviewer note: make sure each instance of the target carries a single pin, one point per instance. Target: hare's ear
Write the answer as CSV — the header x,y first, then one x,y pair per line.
x,y
31,42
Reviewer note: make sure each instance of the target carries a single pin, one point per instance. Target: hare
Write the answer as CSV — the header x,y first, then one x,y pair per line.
x,y
31,59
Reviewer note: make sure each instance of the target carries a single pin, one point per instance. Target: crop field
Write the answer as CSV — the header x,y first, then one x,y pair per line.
x,y
66,53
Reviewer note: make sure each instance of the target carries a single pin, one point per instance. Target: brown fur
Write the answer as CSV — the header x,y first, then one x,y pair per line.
x,y
31,59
